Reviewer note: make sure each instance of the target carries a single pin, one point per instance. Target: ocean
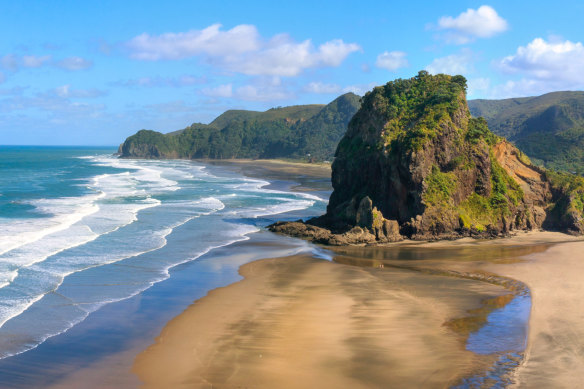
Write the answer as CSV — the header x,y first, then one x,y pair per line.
x,y
81,228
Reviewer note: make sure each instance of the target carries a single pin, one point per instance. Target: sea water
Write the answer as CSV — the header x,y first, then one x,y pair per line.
x,y
81,228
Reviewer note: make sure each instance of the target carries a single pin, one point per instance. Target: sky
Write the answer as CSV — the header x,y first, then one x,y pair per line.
x,y
95,72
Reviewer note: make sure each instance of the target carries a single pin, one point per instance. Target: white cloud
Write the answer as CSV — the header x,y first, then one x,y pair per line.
x,y
554,61
483,22
14,91
452,64
283,57
359,89
187,80
51,102
322,88
392,60
263,89
211,41
13,63
542,66
259,93
478,86
241,50
10,62
225,90
172,107
74,63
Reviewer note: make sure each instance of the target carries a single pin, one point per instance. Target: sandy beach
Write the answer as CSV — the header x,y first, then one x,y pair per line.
x,y
302,322
299,322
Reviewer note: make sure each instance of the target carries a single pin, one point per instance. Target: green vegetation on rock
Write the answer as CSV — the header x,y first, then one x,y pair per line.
x,y
413,109
440,187
414,163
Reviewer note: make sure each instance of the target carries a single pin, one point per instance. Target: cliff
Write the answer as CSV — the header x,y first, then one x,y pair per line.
x,y
309,132
414,163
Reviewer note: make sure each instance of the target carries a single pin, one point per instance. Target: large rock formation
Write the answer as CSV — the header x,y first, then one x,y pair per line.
x,y
413,163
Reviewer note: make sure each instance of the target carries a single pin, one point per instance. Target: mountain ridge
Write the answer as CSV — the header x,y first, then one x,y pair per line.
x,y
549,128
301,131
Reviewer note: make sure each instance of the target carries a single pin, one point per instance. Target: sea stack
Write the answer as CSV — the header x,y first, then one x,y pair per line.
x,y
415,164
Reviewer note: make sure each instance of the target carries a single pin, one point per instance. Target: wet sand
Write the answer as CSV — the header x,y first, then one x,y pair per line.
x,y
299,322
280,166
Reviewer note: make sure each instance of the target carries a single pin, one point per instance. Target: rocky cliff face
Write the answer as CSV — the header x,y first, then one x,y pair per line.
x,y
413,163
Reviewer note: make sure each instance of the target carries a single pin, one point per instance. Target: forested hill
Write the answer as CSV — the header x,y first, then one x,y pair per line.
x,y
302,132
548,128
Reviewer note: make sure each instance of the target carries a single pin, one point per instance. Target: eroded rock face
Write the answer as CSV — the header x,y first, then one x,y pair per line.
x,y
426,165
413,163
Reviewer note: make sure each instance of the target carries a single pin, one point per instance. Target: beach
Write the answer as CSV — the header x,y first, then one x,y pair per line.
x,y
274,311
301,322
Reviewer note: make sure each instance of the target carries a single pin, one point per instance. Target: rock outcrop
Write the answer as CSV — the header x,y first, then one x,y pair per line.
x,y
414,164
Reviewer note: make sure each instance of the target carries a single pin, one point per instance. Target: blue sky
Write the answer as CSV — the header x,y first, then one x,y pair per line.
x,y
93,73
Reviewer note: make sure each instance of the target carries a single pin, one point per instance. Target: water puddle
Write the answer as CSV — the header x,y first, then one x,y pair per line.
x,y
504,334
505,329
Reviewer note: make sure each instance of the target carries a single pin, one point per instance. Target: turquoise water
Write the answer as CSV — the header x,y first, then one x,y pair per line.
x,y
80,229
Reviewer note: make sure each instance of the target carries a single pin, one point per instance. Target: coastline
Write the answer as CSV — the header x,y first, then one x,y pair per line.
x,y
418,322
99,351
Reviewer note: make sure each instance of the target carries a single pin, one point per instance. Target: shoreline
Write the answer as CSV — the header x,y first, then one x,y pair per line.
x,y
99,351
498,256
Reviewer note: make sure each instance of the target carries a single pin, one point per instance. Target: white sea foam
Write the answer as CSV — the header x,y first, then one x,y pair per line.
x,y
132,213
235,234
64,212
144,241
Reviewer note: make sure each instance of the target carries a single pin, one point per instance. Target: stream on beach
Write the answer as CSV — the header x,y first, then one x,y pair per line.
x,y
499,328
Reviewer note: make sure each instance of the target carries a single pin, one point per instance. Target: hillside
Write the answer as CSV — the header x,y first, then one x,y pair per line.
x,y
414,163
548,128
301,132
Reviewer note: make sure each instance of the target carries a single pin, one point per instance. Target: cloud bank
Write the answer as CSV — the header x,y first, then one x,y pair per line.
x,y
241,50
